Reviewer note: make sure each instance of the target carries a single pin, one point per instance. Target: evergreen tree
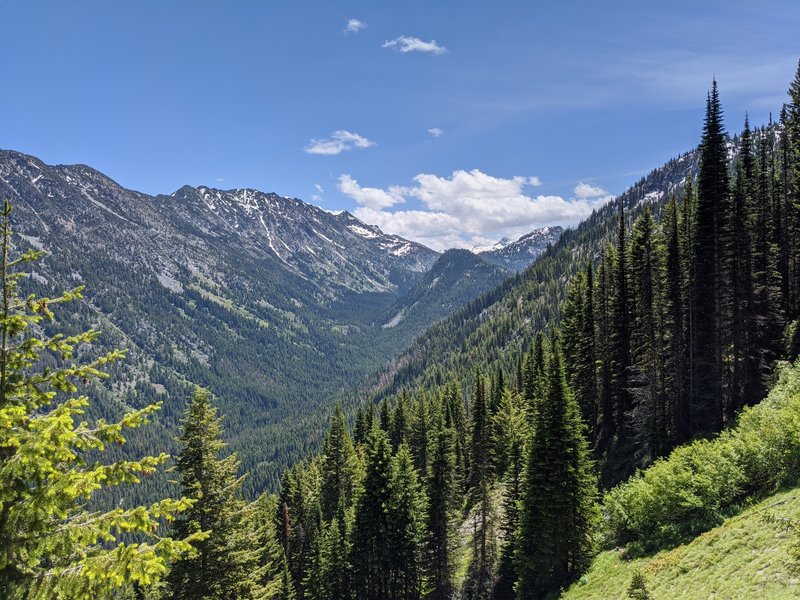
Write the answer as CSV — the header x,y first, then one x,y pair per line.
x,y
370,552
792,216
651,415
710,216
210,480
579,345
620,350
441,493
362,425
339,467
479,478
385,422
510,430
406,529
739,300
50,546
675,348
401,422
558,508
606,428
420,432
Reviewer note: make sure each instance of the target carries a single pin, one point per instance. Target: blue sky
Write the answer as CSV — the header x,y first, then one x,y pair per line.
x,y
454,123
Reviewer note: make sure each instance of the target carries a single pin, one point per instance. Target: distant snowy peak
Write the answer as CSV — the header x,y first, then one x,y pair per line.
x,y
520,254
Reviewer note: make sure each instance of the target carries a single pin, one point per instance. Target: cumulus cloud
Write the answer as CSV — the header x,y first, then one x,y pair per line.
x,y
586,190
354,26
406,43
466,209
373,198
340,141
436,132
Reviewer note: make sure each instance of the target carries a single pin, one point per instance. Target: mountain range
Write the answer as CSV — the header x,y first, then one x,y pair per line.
x,y
276,305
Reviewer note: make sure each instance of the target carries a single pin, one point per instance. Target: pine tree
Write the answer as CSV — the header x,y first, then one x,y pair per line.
x,y
579,345
792,216
651,413
619,348
674,348
362,426
401,422
441,493
558,508
339,468
50,546
510,430
370,555
210,480
767,317
739,301
710,226
479,478
606,428
385,422
420,432
406,529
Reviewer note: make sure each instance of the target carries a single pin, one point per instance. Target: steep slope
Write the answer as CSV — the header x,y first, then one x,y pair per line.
x,y
497,325
519,255
272,303
457,277
748,556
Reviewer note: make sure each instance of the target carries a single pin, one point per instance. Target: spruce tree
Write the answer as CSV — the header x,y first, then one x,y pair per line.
x,y
558,509
339,467
50,546
620,350
406,529
710,226
675,348
420,432
651,416
479,478
211,481
441,493
369,555
510,430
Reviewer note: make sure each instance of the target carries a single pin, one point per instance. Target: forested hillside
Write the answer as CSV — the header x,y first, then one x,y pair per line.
x,y
236,290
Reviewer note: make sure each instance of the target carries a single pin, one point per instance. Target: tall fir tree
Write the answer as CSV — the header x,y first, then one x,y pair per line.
x,y
339,468
406,529
211,480
710,224
370,551
441,492
558,509
652,417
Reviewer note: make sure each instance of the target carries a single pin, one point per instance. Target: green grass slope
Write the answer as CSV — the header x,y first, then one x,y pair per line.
x,y
715,519
746,557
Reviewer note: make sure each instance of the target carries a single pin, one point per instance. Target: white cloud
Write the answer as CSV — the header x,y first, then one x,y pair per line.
x,y
406,43
220,179
340,141
436,132
319,188
586,190
373,198
318,196
354,26
467,209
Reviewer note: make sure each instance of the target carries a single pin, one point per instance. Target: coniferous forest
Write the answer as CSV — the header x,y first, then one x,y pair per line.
x,y
501,485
